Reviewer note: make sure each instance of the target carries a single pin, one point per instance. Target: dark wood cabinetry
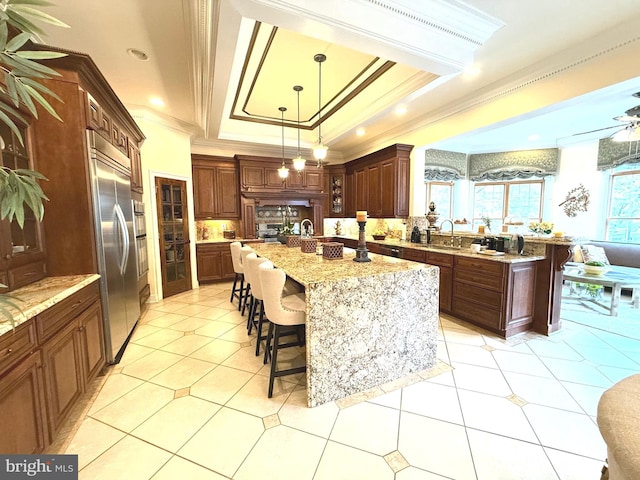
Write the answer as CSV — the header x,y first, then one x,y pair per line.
x,y
88,103
495,295
260,174
445,263
215,187
214,262
334,186
45,367
22,253
379,183
22,400
71,336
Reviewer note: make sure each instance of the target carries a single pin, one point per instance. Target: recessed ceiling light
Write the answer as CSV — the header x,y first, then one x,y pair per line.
x,y
360,132
137,54
156,102
401,109
534,137
471,71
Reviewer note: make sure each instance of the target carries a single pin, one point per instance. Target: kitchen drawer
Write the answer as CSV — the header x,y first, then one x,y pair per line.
x,y
442,259
14,345
56,317
487,267
478,294
414,255
213,247
477,313
26,274
375,248
479,278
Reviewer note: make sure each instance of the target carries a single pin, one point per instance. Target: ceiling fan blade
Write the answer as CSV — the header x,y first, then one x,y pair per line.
x,y
627,118
596,130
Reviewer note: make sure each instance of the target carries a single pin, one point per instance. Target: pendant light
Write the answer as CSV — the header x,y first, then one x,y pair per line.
x,y
319,149
283,171
298,162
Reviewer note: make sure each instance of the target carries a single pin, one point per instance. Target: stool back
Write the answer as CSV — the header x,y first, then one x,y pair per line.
x,y
253,262
235,257
244,251
272,282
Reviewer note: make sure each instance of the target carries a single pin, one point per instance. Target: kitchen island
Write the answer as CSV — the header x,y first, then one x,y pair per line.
x,y
367,323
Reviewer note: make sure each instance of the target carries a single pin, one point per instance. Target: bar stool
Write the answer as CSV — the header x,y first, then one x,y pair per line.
x,y
237,291
248,296
282,312
252,264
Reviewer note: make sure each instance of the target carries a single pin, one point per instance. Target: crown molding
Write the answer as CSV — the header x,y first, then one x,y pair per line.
x,y
201,18
433,35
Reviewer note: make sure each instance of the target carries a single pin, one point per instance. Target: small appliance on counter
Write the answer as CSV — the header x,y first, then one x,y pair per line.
x,y
425,236
415,235
520,244
229,234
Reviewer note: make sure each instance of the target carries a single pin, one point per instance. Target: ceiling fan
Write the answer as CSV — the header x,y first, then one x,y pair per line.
x,y
628,133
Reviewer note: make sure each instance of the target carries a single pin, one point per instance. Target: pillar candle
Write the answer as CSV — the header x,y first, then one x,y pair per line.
x,y
480,229
361,216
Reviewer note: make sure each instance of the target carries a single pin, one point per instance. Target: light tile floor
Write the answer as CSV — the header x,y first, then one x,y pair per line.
x,y
188,400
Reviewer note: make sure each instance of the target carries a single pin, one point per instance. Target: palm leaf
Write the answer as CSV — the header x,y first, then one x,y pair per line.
x,y
33,93
37,14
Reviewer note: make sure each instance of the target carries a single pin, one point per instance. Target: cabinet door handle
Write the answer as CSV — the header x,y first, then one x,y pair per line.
x,y
9,351
76,304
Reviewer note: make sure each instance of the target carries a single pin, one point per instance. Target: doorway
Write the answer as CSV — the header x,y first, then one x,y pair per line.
x,y
173,226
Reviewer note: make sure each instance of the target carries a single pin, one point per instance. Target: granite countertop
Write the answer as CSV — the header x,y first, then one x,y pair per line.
x,y
38,296
463,252
309,268
226,240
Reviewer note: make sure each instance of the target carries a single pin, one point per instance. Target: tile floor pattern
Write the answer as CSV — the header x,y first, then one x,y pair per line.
x,y
188,401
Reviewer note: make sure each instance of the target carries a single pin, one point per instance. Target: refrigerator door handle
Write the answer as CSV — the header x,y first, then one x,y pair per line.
x,y
124,234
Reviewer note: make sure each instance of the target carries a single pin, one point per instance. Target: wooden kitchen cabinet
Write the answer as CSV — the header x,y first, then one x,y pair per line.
x,y
22,252
214,262
495,295
215,188
445,263
380,183
72,337
22,402
260,174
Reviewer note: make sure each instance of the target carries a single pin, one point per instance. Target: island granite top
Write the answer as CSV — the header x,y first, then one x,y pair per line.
x,y
309,268
38,296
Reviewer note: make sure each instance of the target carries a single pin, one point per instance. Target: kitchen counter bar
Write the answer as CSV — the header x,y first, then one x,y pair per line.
x,y
38,296
367,323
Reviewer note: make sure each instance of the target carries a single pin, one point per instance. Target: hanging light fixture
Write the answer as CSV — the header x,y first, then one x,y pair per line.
x,y
298,162
283,171
319,149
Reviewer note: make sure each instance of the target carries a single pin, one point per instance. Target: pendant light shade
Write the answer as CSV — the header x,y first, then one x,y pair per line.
x,y
298,162
283,171
319,149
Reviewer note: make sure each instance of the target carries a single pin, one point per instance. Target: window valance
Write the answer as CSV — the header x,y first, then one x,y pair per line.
x,y
611,154
512,165
444,166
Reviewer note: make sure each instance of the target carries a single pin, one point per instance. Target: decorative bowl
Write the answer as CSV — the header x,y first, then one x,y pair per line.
x,y
595,270
379,237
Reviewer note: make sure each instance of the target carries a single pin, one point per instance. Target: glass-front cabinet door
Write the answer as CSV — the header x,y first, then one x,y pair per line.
x,y
174,238
21,248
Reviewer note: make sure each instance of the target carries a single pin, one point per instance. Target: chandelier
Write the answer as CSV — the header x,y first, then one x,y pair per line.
x,y
319,149
283,171
298,162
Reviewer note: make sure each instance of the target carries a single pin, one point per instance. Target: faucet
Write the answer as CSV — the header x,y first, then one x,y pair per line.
x,y
307,228
451,222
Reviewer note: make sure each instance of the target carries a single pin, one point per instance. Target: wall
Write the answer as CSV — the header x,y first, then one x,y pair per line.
x,y
165,153
578,165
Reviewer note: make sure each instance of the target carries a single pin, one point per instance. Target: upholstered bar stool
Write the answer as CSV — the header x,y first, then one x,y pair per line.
x,y
252,265
282,313
248,297
237,290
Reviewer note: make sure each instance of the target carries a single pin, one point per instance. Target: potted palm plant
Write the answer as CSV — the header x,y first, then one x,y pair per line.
x,y
20,89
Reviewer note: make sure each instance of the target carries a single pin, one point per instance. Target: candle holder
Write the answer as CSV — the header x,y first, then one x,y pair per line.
x,y
361,251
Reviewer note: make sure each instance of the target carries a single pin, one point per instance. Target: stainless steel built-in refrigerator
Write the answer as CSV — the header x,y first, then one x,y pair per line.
x,y
115,239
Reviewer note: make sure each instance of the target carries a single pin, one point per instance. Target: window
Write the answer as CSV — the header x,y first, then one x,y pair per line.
x,y
623,221
518,201
440,193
